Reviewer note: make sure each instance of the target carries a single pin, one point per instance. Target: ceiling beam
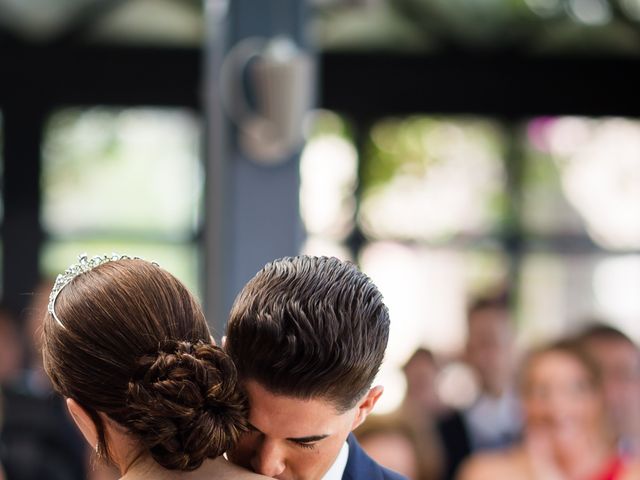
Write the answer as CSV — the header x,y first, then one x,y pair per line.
x,y
374,85
84,19
56,76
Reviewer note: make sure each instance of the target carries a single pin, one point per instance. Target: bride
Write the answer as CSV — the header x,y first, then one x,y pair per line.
x,y
128,346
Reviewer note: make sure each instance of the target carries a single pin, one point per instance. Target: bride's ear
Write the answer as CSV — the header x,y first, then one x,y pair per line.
x,y
84,422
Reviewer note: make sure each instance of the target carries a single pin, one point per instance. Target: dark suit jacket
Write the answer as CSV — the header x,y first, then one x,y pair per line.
x,y
455,441
38,439
361,467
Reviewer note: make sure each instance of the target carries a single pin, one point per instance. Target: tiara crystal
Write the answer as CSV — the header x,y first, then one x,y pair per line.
x,y
84,265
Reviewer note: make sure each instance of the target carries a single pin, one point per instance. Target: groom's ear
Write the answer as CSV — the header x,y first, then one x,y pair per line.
x,y
365,406
84,422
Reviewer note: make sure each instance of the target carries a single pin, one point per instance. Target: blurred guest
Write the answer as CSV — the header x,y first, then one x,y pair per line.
x,y
35,380
421,402
11,357
619,360
395,443
566,434
11,352
38,438
493,420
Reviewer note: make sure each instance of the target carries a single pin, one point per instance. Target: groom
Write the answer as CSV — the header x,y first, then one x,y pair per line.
x,y
308,335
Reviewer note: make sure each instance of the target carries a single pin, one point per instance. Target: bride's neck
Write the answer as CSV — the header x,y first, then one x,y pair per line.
x,y
146,467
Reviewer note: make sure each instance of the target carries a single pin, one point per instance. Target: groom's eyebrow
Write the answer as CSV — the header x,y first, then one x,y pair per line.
x,y
309,439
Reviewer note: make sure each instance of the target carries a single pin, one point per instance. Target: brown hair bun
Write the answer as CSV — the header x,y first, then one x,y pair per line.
x,y
184,404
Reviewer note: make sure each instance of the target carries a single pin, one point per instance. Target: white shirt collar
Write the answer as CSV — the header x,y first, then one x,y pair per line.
x,y
337,469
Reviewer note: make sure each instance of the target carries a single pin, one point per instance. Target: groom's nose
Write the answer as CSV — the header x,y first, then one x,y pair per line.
x,y
268,459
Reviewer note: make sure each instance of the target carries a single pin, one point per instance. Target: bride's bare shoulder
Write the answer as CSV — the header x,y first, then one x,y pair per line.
x,y
489,466
239,473
229,471
221,469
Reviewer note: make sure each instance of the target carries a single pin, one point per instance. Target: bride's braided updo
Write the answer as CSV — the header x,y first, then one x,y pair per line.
x,y
131,342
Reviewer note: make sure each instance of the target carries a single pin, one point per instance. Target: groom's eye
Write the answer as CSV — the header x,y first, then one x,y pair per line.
x,y
309,442
308,445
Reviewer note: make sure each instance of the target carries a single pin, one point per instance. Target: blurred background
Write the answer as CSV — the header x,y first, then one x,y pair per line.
x,y
461,152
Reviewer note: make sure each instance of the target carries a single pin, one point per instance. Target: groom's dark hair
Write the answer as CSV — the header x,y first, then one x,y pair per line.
x,y
310,327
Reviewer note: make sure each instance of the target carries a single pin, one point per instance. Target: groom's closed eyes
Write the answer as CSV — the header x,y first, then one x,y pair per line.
x,y
307,441
291,438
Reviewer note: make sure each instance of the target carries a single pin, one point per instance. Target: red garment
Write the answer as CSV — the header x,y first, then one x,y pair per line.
x,y
613,471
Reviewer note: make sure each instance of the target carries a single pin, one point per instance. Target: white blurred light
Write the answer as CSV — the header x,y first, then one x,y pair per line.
x,y
616,283
328,170
631,8
457,386
444,195
590,12
425,293
319,246
599,162
566,135
542,298
544,8
86,152
331,122
395,386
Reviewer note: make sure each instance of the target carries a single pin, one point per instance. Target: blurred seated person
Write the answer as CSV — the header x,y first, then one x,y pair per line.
x,y
11,351
38,439
493,421
619,360
11,358
35,380
566,433
395,443
421,402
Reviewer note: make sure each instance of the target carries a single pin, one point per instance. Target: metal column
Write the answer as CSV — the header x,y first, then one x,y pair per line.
x,y
252,210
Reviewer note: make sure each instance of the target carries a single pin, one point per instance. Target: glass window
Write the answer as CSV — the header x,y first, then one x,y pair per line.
x,y
560,292
584,175
328,181
181,259
125,180
433,179
426,291
440,209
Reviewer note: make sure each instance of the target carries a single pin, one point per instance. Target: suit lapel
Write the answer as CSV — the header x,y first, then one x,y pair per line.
x,y
360,466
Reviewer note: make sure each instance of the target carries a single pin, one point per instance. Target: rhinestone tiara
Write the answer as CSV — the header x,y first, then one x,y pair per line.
x,y
84,265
